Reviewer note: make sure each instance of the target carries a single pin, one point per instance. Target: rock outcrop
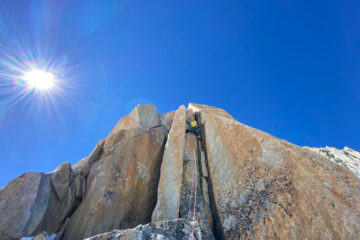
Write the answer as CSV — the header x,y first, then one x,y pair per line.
x,y
168,199
176,229
122,183
36,202
150,180
267,188
22,205
348,158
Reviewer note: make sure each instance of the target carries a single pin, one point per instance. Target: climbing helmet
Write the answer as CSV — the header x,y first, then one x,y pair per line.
x,y
193,124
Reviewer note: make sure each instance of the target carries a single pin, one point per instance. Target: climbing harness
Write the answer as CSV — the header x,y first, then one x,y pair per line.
x,y
193,189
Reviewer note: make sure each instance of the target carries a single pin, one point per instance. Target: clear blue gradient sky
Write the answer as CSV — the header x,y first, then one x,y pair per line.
x,y
289,68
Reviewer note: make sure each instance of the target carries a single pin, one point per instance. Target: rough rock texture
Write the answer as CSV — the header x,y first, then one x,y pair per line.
x,y
62,199
61,179
123,171
84,165
122,182
191,189
266,188
164,230
22,204
145,116
246,185
36,202
348,158
166,119
168,200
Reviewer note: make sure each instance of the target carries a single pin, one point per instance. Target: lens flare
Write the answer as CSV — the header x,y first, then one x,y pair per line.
x,y
39,79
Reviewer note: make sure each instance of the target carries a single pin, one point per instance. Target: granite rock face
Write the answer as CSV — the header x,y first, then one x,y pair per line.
x,y
150,180
176,229
267,188
167,119
36,202
348,158
145,116
122,183
168,199
22,205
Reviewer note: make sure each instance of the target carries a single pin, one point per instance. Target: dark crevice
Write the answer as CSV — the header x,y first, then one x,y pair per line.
x,y
217,226
94,157
187,195
185,190
156,179
203,208
73,209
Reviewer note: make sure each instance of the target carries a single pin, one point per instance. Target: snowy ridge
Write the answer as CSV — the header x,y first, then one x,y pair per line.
x,y
347,157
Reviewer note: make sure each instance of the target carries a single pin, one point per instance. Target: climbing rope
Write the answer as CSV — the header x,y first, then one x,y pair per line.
x,y
193,189
193,222
191,193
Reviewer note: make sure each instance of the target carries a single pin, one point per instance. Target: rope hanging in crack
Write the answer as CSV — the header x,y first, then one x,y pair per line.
x,y
193,223
193,189
191,193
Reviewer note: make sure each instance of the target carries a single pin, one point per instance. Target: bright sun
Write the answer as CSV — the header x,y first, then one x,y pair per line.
x,y
39,79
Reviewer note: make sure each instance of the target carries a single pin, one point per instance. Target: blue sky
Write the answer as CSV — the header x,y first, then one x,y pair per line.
x,y
290,68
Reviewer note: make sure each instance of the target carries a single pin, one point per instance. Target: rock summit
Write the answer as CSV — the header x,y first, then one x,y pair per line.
x,y
150,180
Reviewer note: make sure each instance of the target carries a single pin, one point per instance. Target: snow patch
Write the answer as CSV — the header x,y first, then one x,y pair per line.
x,y
348,158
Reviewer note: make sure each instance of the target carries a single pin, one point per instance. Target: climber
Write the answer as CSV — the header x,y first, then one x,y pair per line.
x,y
193,127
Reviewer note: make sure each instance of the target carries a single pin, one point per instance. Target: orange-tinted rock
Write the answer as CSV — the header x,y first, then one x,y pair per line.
x,y
250,185
168,200
83,166
145,116
122,183
267,188
191,189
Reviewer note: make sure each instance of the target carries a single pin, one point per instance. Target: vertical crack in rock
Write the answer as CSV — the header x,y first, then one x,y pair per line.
x,y
216,222
190,175
265,187
131,172
204,179
169,187
128,168
186,198
251,185
80,172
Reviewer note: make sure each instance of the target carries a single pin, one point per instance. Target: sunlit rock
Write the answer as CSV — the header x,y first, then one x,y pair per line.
x,y
150,180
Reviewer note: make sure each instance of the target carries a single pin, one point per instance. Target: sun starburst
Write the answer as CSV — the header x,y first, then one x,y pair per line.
x,y
39,79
